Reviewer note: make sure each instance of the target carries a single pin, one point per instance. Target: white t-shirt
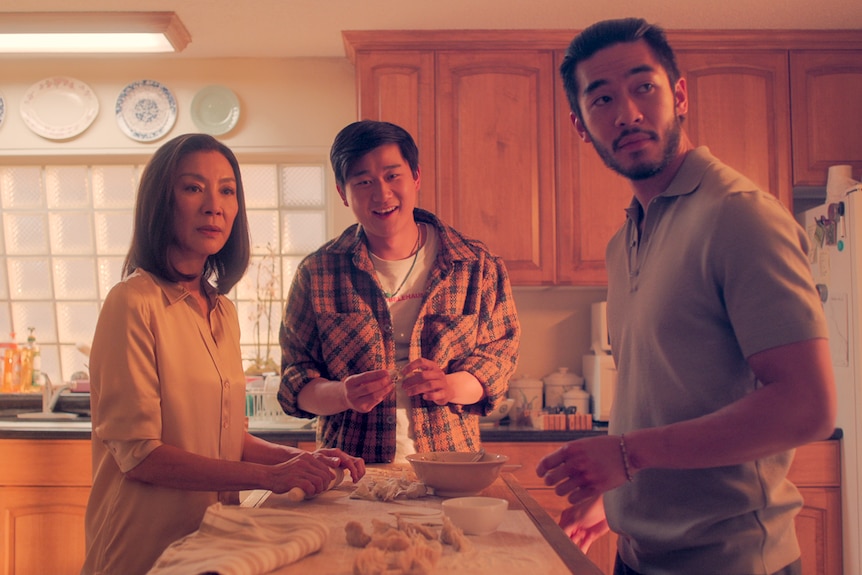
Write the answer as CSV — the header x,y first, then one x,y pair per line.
x,y
404,308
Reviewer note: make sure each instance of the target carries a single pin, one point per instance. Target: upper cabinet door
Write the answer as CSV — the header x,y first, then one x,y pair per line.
x,y
826,90
739,107
591,202
398,87
495,154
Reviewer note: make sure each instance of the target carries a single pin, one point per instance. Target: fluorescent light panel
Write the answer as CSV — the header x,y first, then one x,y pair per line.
x,y
83,43
91,32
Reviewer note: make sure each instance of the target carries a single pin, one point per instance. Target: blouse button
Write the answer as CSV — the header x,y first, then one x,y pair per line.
x,y
390,419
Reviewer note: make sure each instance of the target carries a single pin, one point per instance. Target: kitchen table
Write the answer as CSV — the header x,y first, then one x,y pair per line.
x,y
528,540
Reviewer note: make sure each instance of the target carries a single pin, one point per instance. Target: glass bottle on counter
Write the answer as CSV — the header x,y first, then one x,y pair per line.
x,y
10,366
25,370
36,354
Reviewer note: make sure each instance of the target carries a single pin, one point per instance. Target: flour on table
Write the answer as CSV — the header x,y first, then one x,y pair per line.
x,y
388,489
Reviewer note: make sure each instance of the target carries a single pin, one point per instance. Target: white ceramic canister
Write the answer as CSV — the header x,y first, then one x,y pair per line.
x,y
527,393
559,382
579,398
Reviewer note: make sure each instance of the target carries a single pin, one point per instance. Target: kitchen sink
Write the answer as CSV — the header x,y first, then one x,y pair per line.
x,y
12,413
37,420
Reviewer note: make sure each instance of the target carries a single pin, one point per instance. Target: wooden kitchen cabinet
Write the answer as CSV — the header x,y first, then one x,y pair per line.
x,y
398,87
816,471
590,200
43,498
827,116
739,107
501,161
495,154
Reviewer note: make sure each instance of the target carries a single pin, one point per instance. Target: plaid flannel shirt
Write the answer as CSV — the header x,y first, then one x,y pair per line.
x,y
336,324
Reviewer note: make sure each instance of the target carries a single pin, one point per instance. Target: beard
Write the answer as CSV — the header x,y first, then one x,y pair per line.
x,y
645,169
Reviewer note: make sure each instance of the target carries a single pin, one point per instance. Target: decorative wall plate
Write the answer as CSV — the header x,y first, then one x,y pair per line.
x,y
59,108
215,110
146,110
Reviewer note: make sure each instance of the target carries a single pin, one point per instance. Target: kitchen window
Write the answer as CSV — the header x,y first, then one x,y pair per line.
x,y
65,231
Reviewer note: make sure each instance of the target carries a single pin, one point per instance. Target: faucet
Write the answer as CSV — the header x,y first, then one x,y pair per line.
x,y
51,394
50,397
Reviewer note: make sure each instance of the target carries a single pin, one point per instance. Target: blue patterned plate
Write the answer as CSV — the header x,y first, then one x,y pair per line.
x,y
146,110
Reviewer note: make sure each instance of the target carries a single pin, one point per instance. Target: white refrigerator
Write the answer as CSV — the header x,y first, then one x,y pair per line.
x,y
835,230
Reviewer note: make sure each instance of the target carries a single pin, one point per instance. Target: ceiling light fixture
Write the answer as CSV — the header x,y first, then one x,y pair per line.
x,y
91,32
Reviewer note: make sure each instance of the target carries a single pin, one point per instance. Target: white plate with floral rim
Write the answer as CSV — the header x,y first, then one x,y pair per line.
x,y
59,108
215,110
146,110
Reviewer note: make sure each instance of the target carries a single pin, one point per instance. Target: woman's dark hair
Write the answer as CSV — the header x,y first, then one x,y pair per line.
x,y
359,138
604,34
153,232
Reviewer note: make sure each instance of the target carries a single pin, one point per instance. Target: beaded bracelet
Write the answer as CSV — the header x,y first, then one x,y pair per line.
x,y
625,455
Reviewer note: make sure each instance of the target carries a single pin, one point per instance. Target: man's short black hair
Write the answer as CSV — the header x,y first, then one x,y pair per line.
x,y
359,138
605,34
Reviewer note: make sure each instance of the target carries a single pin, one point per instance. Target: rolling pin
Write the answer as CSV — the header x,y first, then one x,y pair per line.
x,y
297,494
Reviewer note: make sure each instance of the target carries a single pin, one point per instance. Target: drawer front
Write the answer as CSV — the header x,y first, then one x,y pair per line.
x,y
527,455
46,462
817,464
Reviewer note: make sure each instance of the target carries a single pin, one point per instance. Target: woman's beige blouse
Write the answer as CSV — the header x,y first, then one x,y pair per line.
x,y
159,374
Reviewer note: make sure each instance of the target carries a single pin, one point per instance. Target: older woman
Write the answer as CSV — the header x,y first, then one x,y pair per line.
x,y
168,388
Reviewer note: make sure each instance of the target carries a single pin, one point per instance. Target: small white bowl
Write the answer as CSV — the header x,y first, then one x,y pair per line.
x,y
476,515
502,411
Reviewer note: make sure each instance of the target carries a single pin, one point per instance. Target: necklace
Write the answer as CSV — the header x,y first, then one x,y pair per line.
x,y
390,295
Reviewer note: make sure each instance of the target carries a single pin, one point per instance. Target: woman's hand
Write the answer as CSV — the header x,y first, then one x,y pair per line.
x,y
338,459
304,470
363,391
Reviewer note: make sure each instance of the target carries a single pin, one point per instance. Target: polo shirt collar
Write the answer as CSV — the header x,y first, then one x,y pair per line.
x,y
686,181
